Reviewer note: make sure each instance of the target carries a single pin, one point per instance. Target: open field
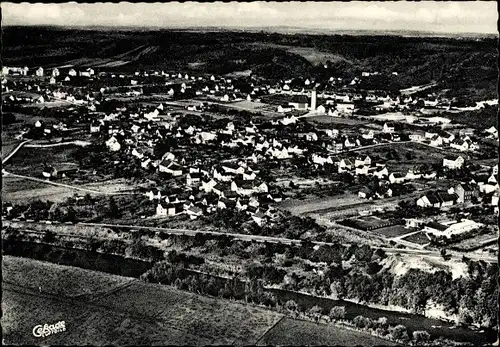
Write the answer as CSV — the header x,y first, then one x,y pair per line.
x,y
306,206
20,191
392,231
31,161
476,242
141,314
250,105
335,120
311,54
57,279
124,312
295,332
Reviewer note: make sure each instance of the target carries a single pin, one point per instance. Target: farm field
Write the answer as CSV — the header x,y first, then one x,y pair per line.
x,y
311,205
310,54
335,120
57,279
20,191
475,242
141,314
296,332
31,161
392,231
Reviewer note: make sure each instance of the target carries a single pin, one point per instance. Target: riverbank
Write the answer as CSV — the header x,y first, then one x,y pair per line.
x,y
99,261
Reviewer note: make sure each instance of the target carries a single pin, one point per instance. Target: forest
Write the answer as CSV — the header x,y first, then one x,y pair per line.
x,y
462,66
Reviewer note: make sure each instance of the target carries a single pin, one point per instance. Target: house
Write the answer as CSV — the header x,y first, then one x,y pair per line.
x,y
345,164
299,102
345,107
72,72
493,132
365,193
388,129
416,137
381,172
153,194
368,135
349,143
88,72
397,178
429,200
113,144
384,192
39,72
446,198
412,175
169,209
193,178
289,120
49,172
95,127
363,161
224,203
461,145
308,136
436,141
362,170
465,192
194,212
453,164
284,108
259,218
170,167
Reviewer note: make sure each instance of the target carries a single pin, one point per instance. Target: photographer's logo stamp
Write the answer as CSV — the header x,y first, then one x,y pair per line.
x,y
49,329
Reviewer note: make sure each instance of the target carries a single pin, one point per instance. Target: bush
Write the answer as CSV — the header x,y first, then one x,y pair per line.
x,y
421,336
337,312
291,305
399,333
361,322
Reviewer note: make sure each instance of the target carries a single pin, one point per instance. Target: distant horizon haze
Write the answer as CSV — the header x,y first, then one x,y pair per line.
x,y
453,17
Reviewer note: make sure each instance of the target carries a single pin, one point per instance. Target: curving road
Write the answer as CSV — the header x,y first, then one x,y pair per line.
x,y
14,151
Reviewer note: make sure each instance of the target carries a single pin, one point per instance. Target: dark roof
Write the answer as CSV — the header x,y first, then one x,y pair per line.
x,y
245,184
230,194
444,196
433,199
467,187
300,99
437,226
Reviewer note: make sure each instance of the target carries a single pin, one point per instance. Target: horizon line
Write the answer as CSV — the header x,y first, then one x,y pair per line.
x,y
307,31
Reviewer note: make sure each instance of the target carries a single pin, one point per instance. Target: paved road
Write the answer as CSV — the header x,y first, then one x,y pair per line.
x,y
14,151
76,143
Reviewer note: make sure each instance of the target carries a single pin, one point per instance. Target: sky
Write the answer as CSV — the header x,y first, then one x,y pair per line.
x,y
428,16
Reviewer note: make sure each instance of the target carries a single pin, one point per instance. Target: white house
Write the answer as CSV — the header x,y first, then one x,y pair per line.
x,y
436,141
388,129
39,72
396,178
451,163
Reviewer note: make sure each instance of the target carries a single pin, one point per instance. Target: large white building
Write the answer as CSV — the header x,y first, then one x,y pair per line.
x,y
451,228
